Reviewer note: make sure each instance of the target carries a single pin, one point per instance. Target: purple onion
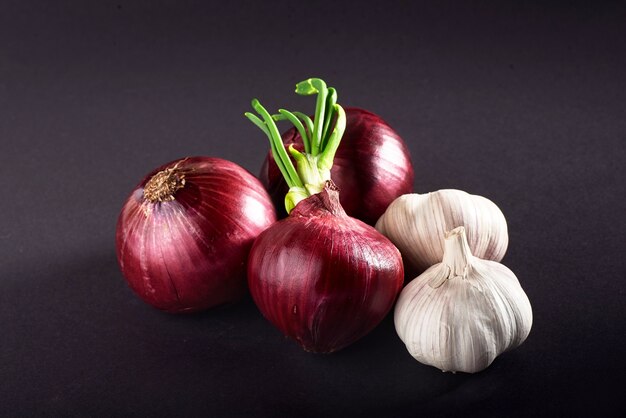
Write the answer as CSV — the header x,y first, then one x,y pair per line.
x,y
184,234
323,278
372,167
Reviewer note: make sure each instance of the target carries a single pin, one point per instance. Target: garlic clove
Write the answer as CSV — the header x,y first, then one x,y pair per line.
x,y
462,313
417,223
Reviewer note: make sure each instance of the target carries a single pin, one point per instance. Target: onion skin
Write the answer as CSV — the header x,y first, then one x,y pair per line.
x,y
323,278
371,168
189,254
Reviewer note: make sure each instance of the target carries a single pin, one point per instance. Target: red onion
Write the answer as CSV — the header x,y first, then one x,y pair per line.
x,y
323,278
372,167
185,232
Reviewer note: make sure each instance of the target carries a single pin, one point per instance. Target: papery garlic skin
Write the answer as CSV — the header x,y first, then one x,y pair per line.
x,y
460,314
416,224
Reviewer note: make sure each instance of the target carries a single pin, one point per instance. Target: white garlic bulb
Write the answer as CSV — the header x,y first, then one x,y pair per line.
x,y
417,223
463,312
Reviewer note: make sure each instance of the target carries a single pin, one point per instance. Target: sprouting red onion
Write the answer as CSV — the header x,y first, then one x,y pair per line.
x,y
321,277
372,167
184,234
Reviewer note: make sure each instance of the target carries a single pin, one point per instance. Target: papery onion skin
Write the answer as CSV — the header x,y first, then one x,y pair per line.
x,y
323,278
372,167
189,254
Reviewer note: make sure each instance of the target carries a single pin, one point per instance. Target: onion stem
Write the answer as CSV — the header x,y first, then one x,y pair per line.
x,y
261,125
285,114
319,140
307,88
330,104
330,148
307,121
278,149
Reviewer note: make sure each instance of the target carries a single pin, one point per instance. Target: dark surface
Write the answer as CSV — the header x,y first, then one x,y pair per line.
x,y
523,104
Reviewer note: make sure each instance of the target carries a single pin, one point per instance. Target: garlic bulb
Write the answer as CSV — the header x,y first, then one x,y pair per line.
x,y
463,312
416,224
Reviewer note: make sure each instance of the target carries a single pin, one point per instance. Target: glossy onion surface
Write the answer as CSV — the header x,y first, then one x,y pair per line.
x,y
372,167
189,253
323,278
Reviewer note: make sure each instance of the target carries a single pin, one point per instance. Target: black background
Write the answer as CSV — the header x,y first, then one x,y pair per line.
x,y
523,103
